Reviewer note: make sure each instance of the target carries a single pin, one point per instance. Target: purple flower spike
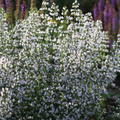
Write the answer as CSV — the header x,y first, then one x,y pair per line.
x,y
113,3
23,7
8,3
119,15
107,16
23,10
2,4
119,19
101,5
95,12
115,22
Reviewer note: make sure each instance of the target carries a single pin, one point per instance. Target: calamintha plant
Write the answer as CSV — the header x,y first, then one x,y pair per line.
x,y
58,67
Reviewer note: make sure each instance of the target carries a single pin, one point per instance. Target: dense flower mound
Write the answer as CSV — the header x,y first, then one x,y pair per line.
x,y
55,67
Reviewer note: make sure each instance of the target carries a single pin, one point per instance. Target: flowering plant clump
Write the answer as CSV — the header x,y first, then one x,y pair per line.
x,y
58,67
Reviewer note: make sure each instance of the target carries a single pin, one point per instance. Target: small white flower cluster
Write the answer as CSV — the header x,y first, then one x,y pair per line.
x,y
59,66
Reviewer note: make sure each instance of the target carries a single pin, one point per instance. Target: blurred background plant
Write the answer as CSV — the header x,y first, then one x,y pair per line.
x,y
108,11
18,9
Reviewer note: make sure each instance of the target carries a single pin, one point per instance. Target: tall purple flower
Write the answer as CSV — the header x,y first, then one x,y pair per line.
x,y
95,12
23,9
8,3
113,3
107,17
9,10
23,6
119,19
115,22
2,4
101,5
